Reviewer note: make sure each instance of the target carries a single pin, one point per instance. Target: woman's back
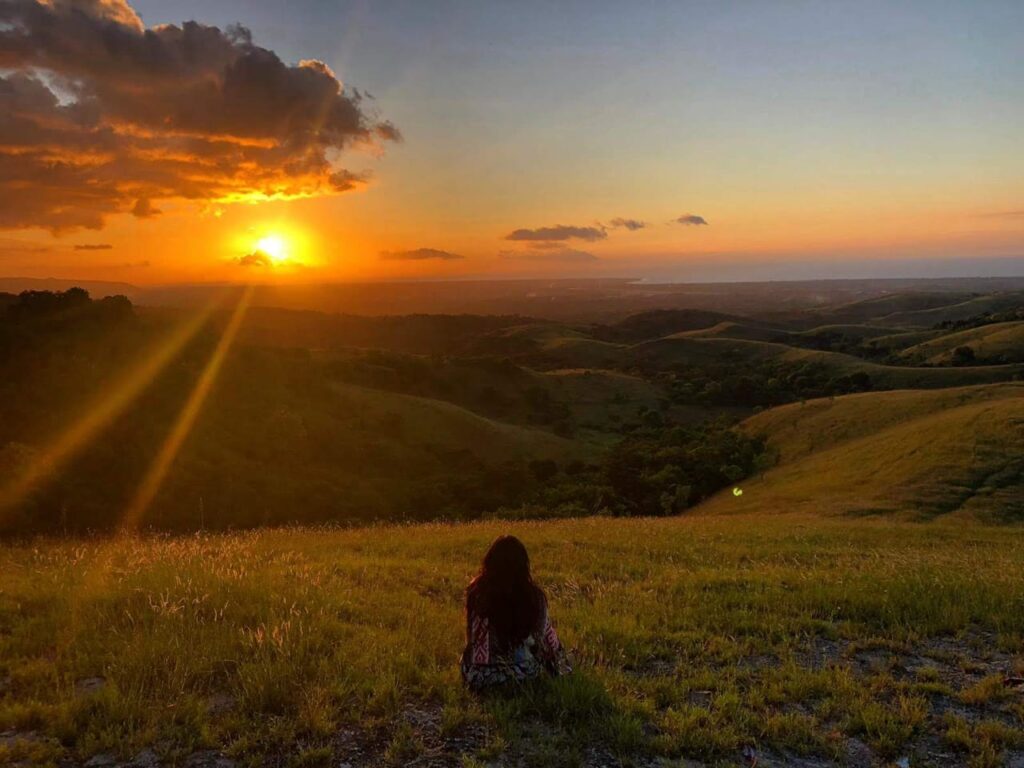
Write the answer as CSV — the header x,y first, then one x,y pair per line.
x,y
509,636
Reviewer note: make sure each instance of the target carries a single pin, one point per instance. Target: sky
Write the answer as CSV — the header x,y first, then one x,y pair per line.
x,y
425,140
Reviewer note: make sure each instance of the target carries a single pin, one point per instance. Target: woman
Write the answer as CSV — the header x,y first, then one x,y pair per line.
x,y
509,636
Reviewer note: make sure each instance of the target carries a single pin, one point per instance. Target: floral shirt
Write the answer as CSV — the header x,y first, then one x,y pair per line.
x,y
484,665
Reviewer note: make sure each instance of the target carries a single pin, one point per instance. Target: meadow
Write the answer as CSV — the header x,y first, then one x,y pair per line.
x,y
698,640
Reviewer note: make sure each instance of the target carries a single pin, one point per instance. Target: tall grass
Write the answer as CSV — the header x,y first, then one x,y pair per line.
x,y
693,637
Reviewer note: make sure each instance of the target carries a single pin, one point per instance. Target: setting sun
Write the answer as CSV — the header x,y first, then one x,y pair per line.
x,y
275,247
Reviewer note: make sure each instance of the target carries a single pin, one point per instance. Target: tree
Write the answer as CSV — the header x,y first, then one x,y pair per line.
x,y
963,356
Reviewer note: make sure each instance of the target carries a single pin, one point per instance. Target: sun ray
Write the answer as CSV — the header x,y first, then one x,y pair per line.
x,y
157,473
102,412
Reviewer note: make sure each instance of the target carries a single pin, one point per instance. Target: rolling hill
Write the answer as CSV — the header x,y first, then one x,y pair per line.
x,y
687,350
888,306
910,453
729,329
1002,342
979,305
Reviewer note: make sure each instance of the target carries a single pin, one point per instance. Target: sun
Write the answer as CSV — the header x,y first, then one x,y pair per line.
x,y
275,246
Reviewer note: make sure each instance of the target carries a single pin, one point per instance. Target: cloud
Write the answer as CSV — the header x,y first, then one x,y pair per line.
x,y
419,254
8,246
554,254
692,220
255,259
143,209
559,232
101,115
631,224
93,247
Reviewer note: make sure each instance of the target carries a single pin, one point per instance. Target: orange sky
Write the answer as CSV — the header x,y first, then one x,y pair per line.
x,y
871,149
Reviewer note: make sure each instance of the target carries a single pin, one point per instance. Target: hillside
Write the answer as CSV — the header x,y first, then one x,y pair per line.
x,y
317,417
979,305
734,330
998,342
892,305
911,453
663,322
683,350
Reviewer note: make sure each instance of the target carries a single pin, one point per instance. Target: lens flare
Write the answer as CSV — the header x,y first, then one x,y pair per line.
x,y
161,465
103,411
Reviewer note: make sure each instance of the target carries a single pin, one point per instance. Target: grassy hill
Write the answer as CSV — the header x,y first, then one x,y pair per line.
x,y
903,339
734,330
889,306
859,332
998,341
414,334
698,641
952,312
665,322
919,454
687,350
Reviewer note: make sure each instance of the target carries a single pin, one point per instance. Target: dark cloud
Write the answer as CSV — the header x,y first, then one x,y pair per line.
x,y
101,115
93,247
255,259
692,220
631,224
550,254
419,254
143,209
559,232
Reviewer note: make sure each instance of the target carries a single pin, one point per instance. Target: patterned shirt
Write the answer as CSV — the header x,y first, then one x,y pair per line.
x,y
485,665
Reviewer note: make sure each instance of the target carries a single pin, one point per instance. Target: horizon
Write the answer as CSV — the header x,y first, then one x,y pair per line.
x,y
379,144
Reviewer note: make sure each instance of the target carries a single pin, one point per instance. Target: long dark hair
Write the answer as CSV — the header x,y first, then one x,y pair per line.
x,y
504,593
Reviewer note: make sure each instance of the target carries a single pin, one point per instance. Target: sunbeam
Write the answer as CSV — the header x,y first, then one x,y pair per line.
x,y
102,412
161,465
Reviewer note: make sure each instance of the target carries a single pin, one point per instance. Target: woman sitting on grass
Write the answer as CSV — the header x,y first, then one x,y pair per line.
x,y
509,636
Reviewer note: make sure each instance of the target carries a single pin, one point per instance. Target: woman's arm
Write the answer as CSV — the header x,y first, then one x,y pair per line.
x,y
550,647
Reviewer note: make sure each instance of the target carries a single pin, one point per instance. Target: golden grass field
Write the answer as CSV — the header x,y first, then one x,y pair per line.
x,y
832,641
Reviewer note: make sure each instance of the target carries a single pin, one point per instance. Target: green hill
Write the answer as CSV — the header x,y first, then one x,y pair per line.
x,y
876,308
734,330
896,341
1003,342
854,331
686,350
664,322
979,305
951,451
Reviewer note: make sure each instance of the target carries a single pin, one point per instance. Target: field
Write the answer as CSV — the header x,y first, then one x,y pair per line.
x,y
698,640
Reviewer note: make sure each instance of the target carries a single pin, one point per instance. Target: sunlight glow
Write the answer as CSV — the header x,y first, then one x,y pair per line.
x,y
101,413
161,465
275,247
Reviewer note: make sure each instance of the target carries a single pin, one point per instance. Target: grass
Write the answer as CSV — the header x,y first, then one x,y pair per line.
x,y
998,340
694,638
900,452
